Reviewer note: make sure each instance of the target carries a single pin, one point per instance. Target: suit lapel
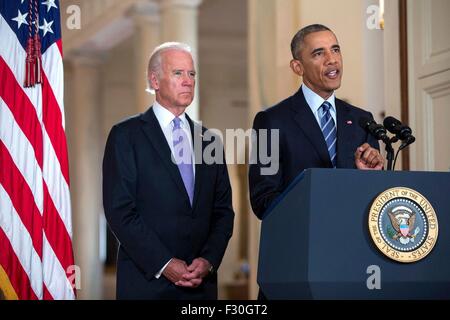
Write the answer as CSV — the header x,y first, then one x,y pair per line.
x,y
308,124
156,137
197,138
345,133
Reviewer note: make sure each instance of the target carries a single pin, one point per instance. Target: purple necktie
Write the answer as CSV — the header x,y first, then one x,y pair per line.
x,y
183,157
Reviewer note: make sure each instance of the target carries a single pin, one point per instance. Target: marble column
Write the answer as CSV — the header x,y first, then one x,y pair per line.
x,y
146,19
179,22
82,98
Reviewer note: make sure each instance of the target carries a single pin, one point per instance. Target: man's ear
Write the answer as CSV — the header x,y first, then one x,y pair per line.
x,y
297,67
154,81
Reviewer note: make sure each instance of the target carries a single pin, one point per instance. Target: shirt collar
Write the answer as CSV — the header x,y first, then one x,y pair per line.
x,y
315,101
165,117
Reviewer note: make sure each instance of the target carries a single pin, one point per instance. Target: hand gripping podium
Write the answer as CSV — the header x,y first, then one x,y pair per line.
x,y
315,240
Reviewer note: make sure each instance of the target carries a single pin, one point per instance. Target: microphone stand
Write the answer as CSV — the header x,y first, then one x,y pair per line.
x,y
389,151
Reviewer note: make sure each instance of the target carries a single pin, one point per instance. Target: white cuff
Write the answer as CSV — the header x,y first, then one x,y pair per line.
x,y
162,270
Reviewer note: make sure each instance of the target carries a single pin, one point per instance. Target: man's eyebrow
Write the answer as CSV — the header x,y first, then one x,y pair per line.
x,y
182,70
336,46
317,50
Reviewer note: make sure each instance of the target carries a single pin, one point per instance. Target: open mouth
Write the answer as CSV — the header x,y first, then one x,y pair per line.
x,y
332,74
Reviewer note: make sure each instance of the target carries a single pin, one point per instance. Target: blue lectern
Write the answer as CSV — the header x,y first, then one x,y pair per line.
x,y
315,241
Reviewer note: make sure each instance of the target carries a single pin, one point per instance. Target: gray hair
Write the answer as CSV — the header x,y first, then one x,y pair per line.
x,y
155,61
299,38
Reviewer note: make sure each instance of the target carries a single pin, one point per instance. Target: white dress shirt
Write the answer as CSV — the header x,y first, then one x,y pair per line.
x,y
315,102
165,119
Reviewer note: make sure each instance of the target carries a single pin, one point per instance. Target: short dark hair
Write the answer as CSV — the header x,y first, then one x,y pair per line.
x,y
299,38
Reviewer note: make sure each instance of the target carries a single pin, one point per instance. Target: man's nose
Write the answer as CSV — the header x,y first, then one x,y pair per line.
x,y
188,80
330,57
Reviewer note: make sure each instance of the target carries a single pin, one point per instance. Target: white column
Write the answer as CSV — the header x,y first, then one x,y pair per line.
x,y
179,23
146,37
83,132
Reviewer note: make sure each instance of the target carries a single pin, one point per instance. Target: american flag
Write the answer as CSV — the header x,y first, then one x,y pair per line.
x,y
35,215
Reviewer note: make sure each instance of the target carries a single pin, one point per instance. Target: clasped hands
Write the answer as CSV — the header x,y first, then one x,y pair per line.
x,y
191,276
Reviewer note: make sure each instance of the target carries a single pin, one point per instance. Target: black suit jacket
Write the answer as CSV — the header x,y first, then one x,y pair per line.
x,y
302,145
148,209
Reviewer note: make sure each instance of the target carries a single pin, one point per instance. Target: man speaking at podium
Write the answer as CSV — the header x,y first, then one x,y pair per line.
x,y
316,130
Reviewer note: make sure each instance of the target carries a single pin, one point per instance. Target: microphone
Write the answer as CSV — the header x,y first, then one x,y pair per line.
x,y
375,129
401,131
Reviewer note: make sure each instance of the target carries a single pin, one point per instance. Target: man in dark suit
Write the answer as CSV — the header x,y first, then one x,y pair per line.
x,y
171,213
316,130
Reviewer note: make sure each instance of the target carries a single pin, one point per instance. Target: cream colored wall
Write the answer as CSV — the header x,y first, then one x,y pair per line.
x,y
429,83
372,67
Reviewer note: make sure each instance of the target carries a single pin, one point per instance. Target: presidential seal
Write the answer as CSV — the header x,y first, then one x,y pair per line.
x,y
403,224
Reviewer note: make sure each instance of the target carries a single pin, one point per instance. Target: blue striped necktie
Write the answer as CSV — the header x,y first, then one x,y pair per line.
x,y
329,130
